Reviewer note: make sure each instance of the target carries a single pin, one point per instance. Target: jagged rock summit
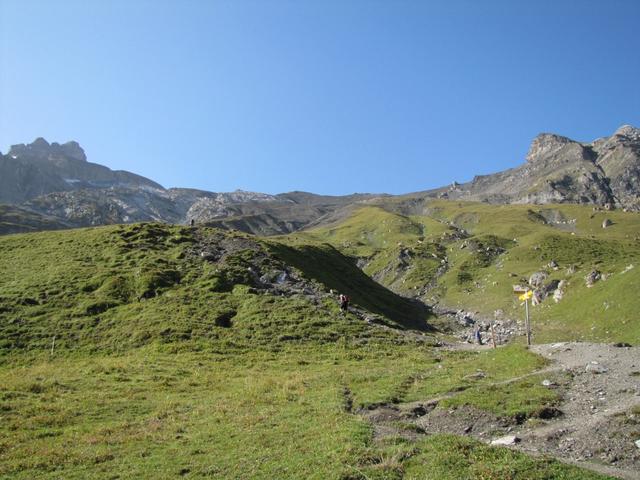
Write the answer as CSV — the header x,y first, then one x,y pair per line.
x,y
40,168
605,172
40,148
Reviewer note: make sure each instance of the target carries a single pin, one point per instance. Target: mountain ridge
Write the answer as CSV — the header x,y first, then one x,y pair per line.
x,y
57,182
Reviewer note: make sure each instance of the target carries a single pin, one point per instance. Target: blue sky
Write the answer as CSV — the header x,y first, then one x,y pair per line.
x,y
329,96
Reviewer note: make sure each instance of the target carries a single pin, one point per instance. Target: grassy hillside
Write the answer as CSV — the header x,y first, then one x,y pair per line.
x,y
197,353
116,288
469,255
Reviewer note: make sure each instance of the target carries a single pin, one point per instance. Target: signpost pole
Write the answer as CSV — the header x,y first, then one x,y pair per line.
x,y
525,294
527,321
493,335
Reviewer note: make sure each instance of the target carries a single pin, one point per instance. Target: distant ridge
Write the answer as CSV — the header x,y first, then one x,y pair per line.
x,y
55,181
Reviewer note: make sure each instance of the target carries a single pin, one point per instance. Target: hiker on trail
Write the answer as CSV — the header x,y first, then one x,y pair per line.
x,y
344,303
477,336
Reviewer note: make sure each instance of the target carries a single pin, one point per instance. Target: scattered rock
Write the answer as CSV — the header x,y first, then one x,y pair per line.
x,y
592,278
606,223
627,268
537,279
558,294
547,383
464,318
595,367
506,440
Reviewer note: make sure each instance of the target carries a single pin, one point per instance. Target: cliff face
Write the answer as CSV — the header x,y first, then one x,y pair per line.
x,y
605,172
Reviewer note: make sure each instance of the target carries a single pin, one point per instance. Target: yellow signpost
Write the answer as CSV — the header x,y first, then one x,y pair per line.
x,y
524,295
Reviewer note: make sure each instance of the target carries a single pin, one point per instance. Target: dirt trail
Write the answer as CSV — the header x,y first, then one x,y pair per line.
x,y
595,425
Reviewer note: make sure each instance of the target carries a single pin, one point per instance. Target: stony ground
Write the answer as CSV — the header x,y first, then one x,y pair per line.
x,y
596,424
601,408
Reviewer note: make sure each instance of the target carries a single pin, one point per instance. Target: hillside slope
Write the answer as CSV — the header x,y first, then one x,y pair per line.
x,y
116,288
156,351
456,255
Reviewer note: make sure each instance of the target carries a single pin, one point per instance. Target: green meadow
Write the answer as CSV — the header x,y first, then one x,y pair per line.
x,y
156,351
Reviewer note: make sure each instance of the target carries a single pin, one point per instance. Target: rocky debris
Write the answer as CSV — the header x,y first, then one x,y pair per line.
x,y
544,290
595,367
507,440
258,269
592,277
464,318
627,268
553,265
537,279
503,328
598,424
594,425
606,223
219,205
558,293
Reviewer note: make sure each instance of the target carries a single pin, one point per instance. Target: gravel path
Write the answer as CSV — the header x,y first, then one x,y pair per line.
x,y
597,428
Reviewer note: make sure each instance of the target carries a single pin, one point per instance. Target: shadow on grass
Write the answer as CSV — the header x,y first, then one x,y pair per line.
x,y
328,266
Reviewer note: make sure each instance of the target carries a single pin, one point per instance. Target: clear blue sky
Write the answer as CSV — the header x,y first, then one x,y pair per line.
x,y
329,96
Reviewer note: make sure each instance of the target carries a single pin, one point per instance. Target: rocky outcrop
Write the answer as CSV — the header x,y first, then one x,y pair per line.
x,y
605,172
40,168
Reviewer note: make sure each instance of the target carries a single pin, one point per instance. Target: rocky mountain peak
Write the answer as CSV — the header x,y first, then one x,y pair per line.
x,y
70,149
39,149
629,132
39,144
546,144
42,149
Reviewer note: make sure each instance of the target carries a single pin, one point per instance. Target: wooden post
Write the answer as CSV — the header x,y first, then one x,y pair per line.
x,y
527,322
53,344
493,335
525,294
